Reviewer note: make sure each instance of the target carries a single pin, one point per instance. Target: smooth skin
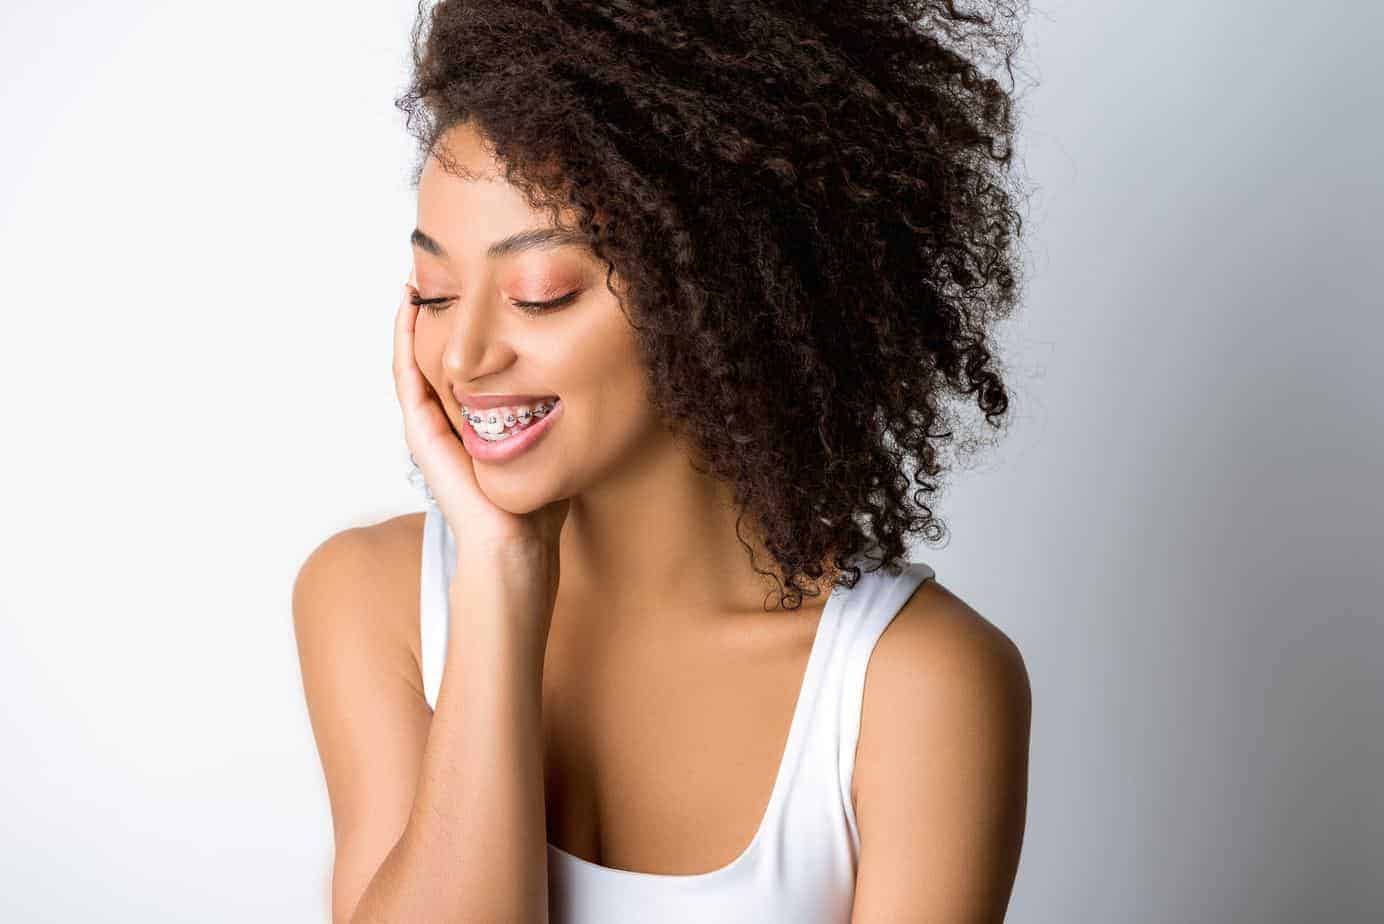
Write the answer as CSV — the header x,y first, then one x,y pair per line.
x,y
600,660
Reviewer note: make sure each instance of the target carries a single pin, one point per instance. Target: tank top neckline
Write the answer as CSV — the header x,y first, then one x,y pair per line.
x,y
797,731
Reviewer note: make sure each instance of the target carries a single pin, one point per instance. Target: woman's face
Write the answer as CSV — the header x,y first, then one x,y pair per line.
x,y
479,343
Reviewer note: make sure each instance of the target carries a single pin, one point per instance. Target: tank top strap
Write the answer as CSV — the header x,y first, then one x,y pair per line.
x,y
438,563
818,819
870,607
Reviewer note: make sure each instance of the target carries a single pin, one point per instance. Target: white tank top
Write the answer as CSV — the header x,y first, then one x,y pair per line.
x,y
800,866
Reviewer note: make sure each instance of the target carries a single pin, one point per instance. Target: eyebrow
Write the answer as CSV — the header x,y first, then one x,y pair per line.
x,y
532,239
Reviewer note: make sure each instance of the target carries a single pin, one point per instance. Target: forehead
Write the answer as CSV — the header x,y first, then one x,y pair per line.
x,y
462,194
465,154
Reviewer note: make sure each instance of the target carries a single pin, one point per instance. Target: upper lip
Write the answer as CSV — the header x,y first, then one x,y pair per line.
x,y
489,401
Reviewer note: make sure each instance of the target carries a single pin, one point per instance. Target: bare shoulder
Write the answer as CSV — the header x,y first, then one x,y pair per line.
x,y
375,569
387,543
355,617
940,781
940,669
939,646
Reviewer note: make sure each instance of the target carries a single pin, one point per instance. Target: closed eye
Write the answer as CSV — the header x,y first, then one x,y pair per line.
x,y
438,305
536,307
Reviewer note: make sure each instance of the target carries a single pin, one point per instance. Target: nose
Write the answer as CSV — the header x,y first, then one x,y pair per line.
x,y
476,344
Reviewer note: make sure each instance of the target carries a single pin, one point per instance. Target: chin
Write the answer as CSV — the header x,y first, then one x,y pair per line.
x,y
512,494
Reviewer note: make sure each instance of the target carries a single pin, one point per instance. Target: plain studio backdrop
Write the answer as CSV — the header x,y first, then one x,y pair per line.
x,y
204,218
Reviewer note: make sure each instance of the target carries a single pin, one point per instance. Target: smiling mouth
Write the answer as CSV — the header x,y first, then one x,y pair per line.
x,y
501,423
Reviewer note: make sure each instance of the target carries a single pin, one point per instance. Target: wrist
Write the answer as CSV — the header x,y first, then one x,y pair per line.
x,y
501,619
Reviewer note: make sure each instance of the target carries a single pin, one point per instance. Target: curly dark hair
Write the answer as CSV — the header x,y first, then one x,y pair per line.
x,y
811,209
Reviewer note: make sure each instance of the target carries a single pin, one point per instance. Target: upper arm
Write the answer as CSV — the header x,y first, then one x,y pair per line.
x,y
364,697
942,767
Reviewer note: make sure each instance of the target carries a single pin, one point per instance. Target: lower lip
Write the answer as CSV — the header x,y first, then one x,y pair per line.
x,y
506,449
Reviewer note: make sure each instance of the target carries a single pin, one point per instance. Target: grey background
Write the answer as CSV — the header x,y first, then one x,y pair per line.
x,y
203,221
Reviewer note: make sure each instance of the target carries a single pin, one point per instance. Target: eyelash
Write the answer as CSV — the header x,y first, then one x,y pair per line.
x,y
439,305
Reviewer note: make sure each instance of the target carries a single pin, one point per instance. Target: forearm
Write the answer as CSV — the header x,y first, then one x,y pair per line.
x,y
475,846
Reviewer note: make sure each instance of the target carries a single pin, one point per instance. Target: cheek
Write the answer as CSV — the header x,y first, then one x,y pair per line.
x,y
622,411
597,359
605,384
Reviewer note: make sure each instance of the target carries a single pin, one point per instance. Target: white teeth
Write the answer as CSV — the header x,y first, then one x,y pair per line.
x,y
495,424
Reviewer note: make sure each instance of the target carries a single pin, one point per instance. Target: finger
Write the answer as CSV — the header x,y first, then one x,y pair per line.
x,y
436,448
424,417
406,378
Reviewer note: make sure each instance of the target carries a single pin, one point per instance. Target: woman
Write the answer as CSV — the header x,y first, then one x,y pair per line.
x,y
691,284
